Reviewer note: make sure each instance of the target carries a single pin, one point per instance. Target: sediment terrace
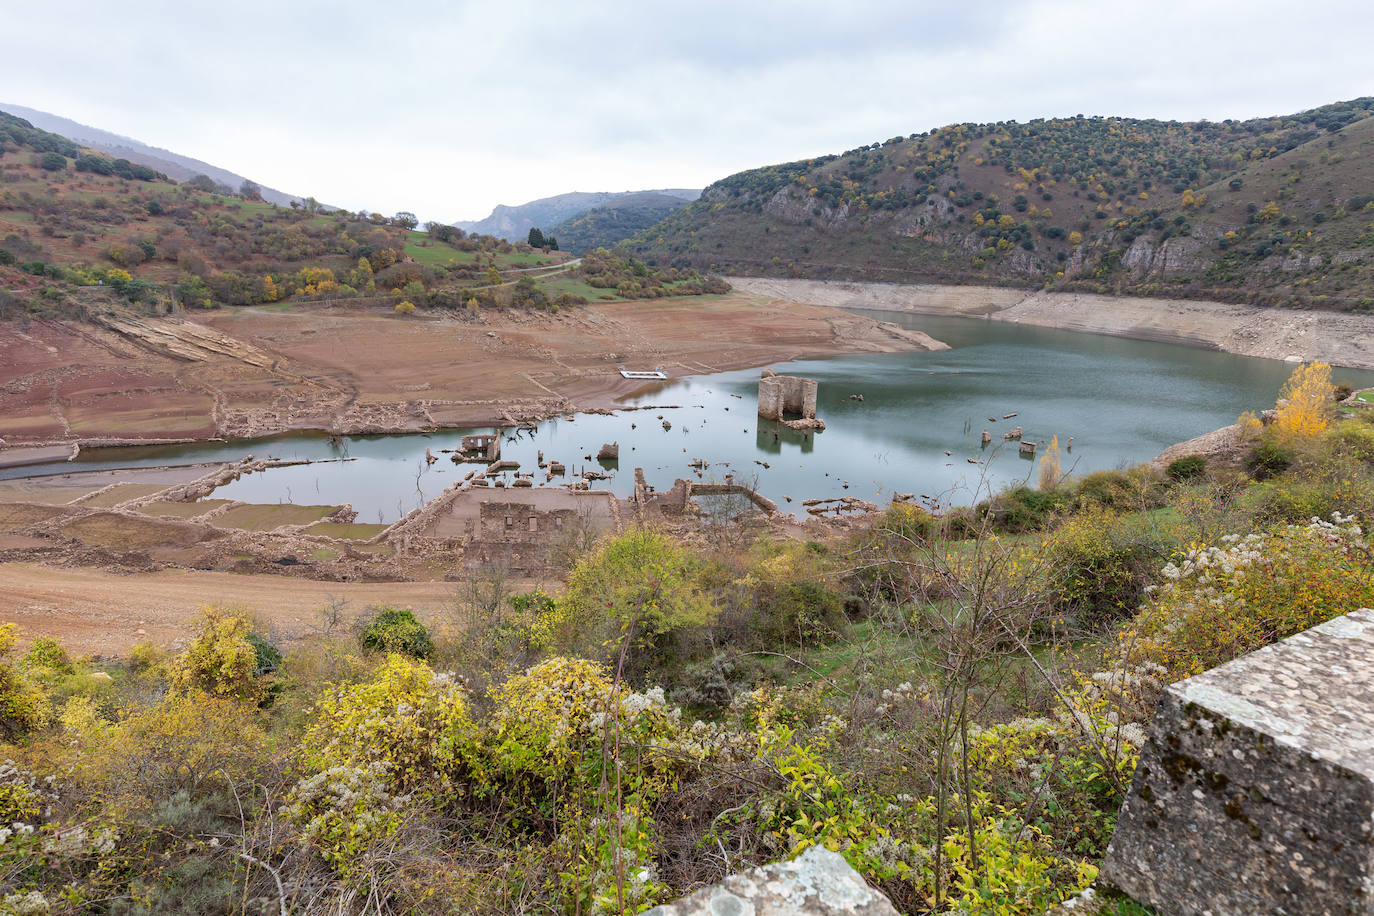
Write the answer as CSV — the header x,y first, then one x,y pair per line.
x,y
1340,338
250,372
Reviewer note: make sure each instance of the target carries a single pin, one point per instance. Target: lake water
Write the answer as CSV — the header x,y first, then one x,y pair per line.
x,y
1123,401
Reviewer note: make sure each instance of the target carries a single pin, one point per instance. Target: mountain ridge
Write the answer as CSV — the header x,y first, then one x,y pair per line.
x,y
1269,211
174,165
513,222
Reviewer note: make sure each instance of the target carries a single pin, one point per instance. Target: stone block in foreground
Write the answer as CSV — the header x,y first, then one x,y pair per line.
x,y
1255,791
816,883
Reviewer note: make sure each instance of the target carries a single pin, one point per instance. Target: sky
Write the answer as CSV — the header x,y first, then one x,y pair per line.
x,y
445,109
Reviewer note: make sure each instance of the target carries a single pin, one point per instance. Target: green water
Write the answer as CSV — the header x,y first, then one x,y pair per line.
x,y
1123,401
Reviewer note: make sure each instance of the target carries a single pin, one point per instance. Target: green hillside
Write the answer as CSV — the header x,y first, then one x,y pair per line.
x,y
1272,210
605,225
71,219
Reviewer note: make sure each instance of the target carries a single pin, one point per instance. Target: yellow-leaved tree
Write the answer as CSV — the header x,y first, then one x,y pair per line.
x,y
1304,407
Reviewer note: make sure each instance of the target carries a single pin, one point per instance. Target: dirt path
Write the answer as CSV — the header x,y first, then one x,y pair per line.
x,y
101,613
1340,338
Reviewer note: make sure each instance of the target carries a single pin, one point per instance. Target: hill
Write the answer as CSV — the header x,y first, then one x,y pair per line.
x,y
1272,210
80,232
515,223
174,165
607,224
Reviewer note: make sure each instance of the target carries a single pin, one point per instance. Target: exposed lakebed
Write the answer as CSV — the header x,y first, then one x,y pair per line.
x,y
1123,401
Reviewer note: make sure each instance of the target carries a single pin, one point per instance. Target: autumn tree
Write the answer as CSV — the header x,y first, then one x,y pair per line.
x,y
1304,407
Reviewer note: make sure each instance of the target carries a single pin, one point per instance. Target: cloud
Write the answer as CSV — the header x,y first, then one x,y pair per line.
x,y
447,108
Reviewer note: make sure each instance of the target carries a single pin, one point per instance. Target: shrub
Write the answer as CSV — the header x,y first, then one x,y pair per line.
x,y
53,162
221,661
641,579
395,629
23,707
790,600
1187,468
413,722
1099,566
1223,601
1269,458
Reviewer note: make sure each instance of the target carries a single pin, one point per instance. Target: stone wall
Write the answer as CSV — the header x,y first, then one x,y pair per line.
x,y
1255,791
786,396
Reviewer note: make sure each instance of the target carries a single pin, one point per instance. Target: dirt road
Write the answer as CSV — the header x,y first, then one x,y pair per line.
x,y
94,612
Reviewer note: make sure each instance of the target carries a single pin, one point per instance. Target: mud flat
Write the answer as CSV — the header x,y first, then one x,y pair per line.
x,y
245,373
94,611
1340,338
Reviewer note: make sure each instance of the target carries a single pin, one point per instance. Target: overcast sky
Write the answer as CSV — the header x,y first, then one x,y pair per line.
x,y
448,108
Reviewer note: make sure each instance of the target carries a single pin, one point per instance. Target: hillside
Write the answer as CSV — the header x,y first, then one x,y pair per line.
x,y
80,231
174,165
608,224
1273,210
514,223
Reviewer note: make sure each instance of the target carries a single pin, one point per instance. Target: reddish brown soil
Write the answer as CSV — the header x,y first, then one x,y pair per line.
x,y
97,612
351,370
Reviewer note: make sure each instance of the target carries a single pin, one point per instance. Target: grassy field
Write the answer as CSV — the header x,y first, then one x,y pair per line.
x,y
265,518
346,532
182,510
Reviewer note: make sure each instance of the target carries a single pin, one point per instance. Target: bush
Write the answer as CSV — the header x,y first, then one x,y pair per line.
x,y
1225,600
395,629
412,722
642,579
1100,565
221,661
1269,458
1187,468
1023,509
23,707
53,162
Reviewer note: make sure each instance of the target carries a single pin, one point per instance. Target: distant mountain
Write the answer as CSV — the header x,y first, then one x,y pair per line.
x,y
182,168
608,224
1270,210
515,223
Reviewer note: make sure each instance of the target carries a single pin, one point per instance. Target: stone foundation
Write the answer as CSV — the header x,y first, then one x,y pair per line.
x,y
1255,792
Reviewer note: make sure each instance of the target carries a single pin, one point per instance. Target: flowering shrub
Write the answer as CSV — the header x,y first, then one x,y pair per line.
x,y
407,718
345,812
1225,600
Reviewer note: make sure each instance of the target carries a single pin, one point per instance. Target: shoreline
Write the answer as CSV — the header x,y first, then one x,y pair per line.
x,y
396,377
1343,339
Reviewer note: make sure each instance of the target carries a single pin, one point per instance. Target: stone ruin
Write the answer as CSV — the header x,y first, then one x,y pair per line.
x,y
788,399
1255,790
818,882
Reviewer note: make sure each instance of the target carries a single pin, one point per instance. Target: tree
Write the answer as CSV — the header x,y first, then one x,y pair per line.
x,y
550,243
250,190
536,238
405,220
1304,407
53,162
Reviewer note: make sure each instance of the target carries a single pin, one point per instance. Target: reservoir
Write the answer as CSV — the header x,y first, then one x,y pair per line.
x,y
919,422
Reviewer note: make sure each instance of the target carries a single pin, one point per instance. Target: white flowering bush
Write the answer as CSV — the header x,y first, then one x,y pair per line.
x,y
412,721
1223,600
346,812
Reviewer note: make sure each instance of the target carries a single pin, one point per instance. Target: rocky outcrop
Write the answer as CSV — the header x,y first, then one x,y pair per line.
x,y
1255,791
816,883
